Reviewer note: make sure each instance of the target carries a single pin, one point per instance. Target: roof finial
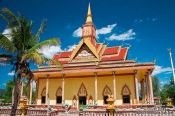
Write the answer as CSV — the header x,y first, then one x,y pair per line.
x,y
89,15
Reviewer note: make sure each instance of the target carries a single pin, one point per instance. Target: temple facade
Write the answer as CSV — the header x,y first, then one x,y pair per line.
x,y
91,72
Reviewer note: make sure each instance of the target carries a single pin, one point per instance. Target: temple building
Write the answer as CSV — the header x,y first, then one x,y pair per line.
x,y
91,72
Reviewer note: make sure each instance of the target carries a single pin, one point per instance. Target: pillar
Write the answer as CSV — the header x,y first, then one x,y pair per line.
x,y
47,89
63,89
13,90
136,86
30,94
151,96
114,85
96,95
147,89
36,96
22,87
143,90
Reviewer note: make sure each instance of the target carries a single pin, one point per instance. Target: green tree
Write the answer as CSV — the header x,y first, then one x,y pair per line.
x,y
7,96
22,47
156,86
168,90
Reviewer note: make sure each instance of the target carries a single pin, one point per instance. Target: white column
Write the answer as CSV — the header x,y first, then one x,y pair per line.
x,y
22,87
30,95
150,88
47,87
96,95
63,89
13,95
114,85
136,85
143,90
36,96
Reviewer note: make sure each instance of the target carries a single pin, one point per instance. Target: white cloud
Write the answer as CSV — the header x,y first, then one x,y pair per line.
x,y
148,19
7,33
70,47
11,73
49,51
77,32
106,30
102,31
160,69
129,35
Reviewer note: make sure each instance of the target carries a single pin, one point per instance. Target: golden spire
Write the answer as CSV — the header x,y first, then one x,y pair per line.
x,y
89,15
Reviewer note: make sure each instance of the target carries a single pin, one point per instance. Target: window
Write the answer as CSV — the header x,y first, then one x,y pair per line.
x,y
105,99
43,99
59,99
126,99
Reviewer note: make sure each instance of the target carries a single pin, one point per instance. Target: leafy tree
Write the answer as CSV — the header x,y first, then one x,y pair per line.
x,y
168,90
7,96
22,46
156,86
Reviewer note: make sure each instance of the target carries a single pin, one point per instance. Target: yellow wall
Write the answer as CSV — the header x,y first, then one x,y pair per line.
x,y
102,82
72,86
53,86
120,82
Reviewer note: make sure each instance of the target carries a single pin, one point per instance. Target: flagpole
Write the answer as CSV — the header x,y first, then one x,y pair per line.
x,y
170,52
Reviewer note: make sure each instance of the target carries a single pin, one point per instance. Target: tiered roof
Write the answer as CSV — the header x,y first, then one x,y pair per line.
x,y
91,56
101,51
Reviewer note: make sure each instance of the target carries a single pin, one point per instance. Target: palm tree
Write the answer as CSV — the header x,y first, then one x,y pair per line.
x,y
22,47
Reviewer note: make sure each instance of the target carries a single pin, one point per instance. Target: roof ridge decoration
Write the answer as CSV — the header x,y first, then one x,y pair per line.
x,y
86,42
89,15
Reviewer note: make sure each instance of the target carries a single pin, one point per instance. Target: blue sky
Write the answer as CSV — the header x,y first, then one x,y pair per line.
x,y
146,25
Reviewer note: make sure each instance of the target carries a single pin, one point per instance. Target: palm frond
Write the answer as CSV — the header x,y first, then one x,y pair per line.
x,y
6,44
34,56
9,16
53,41
40,30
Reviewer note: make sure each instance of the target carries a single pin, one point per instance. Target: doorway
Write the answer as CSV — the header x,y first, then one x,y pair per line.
x,y
82,100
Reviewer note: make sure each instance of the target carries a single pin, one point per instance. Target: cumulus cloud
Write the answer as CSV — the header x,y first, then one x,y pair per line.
x,y
77,32
12,73
129,35
106,30
160,69
102,31
49,51
7,33
70,47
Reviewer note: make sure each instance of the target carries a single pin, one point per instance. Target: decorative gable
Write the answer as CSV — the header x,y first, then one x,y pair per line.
x,y
84,54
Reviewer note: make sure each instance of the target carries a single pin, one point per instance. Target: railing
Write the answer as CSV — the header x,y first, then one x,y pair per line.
x,y
96,112
130,113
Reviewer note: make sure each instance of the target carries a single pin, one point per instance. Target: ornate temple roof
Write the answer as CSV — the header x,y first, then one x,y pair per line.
x,y
91,56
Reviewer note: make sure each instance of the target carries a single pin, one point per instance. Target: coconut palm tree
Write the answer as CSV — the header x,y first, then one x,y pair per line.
x,y
22,46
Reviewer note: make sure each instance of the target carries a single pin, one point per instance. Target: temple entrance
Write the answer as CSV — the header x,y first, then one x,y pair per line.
x,y
126,94
106,92
82,100
82,95
43,96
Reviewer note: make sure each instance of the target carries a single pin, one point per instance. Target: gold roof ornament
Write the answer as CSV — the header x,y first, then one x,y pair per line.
x,y
89,15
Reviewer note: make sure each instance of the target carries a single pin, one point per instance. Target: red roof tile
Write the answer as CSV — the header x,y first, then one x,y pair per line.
x,y
97,45
56,56
65,54
63,62
121,56
111,50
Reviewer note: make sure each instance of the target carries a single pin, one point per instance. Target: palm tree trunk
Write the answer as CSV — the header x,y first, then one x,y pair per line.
x,y
17,94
